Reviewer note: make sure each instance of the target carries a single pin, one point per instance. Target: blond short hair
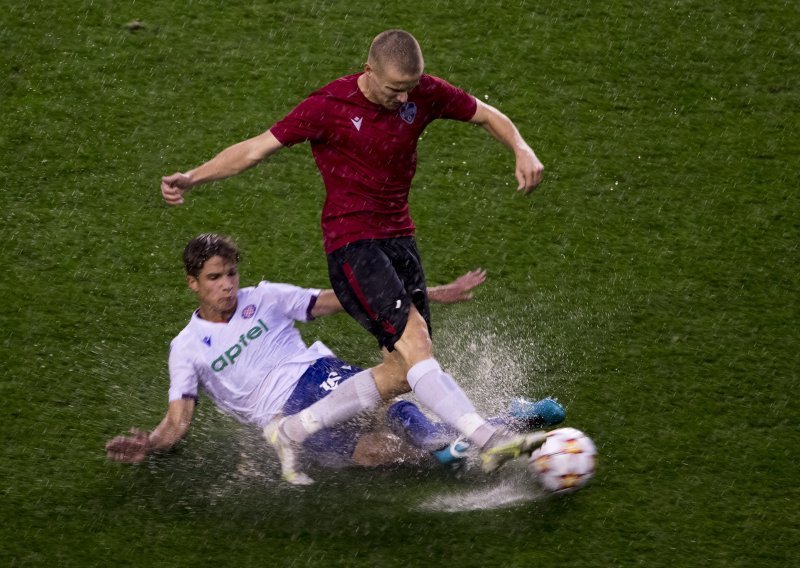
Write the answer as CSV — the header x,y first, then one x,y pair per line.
x,y
396,48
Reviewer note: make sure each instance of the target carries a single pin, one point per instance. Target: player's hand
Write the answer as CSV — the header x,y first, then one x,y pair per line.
x,y
173,187
529,171
460,289
128,449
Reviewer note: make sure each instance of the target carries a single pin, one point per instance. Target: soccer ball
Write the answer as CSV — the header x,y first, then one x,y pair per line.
x,y
565,462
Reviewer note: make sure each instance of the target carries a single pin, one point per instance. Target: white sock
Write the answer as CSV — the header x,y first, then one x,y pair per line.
x,y
441,394
348,400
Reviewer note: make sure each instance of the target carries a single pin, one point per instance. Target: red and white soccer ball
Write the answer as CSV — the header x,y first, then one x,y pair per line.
x,y
565,462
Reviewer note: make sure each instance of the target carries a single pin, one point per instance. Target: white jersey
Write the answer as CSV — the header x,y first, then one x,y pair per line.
x,y
250,365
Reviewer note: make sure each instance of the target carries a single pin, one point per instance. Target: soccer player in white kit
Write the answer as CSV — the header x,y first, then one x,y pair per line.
x,y
241,345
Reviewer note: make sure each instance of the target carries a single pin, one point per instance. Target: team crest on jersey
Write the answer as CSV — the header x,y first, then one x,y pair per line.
x,y
248,311
408,112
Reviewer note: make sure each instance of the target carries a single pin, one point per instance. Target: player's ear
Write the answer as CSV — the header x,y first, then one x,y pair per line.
x,y
192,282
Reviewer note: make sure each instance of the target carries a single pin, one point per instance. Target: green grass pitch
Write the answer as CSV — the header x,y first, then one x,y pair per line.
x,y
650,283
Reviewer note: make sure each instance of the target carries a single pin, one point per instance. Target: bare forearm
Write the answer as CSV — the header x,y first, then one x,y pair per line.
x,y
327,304
528,169
459,290
137,446
448,294
173,427
231,161
166,435
435,293
503,130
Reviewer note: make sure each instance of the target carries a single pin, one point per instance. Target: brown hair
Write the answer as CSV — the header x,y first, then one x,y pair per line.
x,y
396,48
203,247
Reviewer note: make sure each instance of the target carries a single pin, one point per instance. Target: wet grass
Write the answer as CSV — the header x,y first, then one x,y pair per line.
x,y
650,283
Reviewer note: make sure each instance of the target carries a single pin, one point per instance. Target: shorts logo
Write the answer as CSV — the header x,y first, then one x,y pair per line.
x,y
408,112
331,382
249,311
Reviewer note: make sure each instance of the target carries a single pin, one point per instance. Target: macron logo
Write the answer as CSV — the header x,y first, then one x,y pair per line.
x,y
356,122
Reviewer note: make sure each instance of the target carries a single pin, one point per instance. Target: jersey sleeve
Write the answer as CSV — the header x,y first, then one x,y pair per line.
x,y
451,102
303,124
294,302
183,380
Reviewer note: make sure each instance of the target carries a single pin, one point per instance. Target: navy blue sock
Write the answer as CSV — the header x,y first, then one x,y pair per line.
x,y
407,421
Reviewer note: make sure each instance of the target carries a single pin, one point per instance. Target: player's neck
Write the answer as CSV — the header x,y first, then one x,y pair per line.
x,y
363,86
215,316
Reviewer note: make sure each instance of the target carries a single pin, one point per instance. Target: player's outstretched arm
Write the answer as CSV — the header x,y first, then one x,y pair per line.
x,y
231,161
528,167
137,446
459,290
327,304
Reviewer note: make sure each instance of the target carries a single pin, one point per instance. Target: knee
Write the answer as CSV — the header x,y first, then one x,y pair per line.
x,y
415,343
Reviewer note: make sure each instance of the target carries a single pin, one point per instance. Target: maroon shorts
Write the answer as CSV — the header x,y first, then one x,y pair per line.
x,y
377,281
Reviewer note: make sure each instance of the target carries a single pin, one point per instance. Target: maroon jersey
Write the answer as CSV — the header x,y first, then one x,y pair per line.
x,y
367,154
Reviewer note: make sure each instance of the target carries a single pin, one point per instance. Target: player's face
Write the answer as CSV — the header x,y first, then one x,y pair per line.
x,y
216,287
389,87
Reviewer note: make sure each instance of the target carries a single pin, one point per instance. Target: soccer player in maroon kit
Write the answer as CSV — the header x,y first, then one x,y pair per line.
x,y
363,130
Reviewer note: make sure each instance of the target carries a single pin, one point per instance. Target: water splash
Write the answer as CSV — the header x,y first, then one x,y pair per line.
x,y
513,487
494,362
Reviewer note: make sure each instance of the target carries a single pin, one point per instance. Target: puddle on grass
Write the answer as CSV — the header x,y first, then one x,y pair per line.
x,y
512,487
